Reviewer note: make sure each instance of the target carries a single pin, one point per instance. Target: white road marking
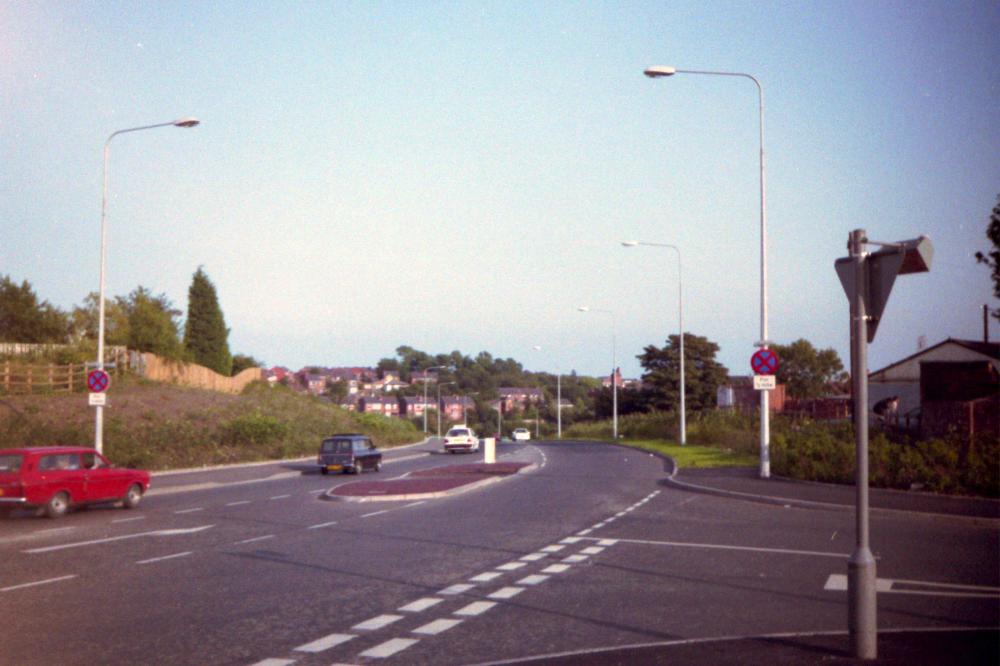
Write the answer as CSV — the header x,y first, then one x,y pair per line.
x,y
486,577
475,608
552,549
238,503
316,527
456,589
389,648
555,568
53,530
274,662
436,627
506,593
77,544
511,566
574,559
317,492
534,557
420,605
325,643
128,520
584,532
377,622
751,549
260,538
407,506
276,497
607,542
533,579
37,582
165,557
197,508
571,540
375,513
592,550
838,583
619,514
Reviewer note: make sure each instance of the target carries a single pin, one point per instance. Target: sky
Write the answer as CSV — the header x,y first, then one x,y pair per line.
x,y
460,175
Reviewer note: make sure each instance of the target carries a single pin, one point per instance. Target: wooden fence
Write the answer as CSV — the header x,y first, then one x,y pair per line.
x,y
189,374
21,378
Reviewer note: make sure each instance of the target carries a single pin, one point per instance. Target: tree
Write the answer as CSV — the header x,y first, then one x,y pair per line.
x,y
241,362
152,324
205,333
24,319
992,258
805,371
84,320
702,373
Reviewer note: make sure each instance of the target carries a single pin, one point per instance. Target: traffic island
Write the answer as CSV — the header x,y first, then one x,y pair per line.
x,y
428,483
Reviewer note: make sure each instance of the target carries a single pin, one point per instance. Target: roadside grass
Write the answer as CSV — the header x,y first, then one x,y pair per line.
x,y
695,455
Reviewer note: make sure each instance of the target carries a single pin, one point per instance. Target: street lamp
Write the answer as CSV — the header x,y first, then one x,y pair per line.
x,y
614,367
765,432
440,384
426,370
538,348
680,319
99,414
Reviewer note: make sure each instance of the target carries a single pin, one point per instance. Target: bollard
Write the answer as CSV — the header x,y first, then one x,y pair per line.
x,y
489,450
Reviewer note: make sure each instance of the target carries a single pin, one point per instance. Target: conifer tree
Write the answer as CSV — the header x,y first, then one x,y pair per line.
x,y
206,337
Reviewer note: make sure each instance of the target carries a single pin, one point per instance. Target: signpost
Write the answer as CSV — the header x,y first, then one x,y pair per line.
x,y
867,279
765,382
764,362
98,381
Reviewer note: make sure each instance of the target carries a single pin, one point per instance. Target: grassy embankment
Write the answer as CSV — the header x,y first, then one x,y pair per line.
x,y
160,426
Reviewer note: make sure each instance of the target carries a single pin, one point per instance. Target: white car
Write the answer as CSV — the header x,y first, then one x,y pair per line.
x,y
461,438
521,434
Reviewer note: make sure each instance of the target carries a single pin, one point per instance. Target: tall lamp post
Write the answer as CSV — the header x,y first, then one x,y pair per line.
x,y
765,431
614,367
433,367
99,414
680,319
439,405
538,348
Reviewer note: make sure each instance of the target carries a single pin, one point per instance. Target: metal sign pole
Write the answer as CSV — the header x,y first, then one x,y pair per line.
x,y
861,612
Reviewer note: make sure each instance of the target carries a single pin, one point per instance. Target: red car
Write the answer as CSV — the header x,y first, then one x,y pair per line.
x,y
55,478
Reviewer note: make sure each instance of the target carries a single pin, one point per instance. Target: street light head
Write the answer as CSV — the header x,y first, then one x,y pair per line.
x,y
186,122
537,348
584,308
658,71
630,243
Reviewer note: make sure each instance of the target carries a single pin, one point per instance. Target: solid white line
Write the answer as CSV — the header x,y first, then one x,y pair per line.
x,y
420,605
165,557
375,513
459,588
506,593
476,608
190,510
76,544
316,527
389,648
436,627
511,566
325,643
752,549
238,503
486,577
278,497
128,520
260,538
533,579
377,622
838,583
317,492
37,582
555,568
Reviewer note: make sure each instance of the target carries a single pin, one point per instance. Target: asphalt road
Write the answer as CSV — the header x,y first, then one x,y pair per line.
x,y
591,550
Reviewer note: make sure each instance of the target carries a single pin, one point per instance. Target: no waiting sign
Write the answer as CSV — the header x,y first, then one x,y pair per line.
x,y
764,362
98,381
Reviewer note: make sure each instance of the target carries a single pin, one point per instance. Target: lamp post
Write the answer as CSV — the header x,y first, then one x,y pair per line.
x,y
439,405
765,431
614,367
538,348
99,414
426,370
680,319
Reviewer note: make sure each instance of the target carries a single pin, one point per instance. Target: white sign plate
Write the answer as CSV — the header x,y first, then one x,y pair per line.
x,y
764,382
98,399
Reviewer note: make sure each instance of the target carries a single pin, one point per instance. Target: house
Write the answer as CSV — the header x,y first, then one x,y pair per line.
x,y
313,383
415,406
388,406
421,376
519,397
953,385
389,385
277,375
455,407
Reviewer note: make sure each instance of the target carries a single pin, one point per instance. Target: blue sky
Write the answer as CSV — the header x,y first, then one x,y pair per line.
x,y
459,175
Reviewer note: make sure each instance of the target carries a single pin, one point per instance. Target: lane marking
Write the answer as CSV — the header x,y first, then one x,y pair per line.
x,y
458,588
552,549
190,510
750,549
377,622
52,530
260,538
128,520
77,544
584,532
389,648
274,662
486,577
475,608
165,557
317,492
571,540
420,605
506,593
838,583
325,643
316,527
511,566
376,513
555,568
533,579
607,542
436,627
238,503
574,559
534,557
592,550
37,582
407,506
277,497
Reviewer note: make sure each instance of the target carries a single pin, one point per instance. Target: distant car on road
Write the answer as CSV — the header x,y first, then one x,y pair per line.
x,y
55,478
521,435
461,438
349,452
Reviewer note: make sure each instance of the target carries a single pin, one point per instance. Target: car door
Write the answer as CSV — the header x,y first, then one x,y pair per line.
x,y
104,482
62,472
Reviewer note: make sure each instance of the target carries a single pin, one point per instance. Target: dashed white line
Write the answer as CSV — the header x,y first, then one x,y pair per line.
x,y
317,492
377,622
592,550
165,557
37,582
475,608
52,530
571,540
277,497
325,643
420,605
198,508
552,549
389,648
436,627
534,557
486,577
607,542
316,527
407,506
128,520
573,559
555,568
458,588
260,538
511,566
506,593
533,579
375,513
274,662
238,503
584,532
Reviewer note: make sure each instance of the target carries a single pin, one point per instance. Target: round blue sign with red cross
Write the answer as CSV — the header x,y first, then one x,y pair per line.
x,y
98,381
764,362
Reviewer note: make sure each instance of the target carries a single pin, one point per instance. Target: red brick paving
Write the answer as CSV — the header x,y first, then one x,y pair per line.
x,y
436,480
